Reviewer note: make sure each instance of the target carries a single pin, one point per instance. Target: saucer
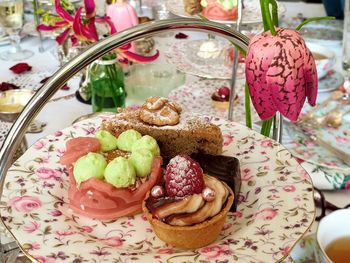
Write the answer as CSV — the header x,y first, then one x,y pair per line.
x,y
303,251
324,58
330,82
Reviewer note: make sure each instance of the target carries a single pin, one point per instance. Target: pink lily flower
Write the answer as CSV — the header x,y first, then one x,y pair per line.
x,y
281,74
83,29
84,32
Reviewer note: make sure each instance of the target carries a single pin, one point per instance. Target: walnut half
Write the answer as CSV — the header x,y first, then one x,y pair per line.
x,y
160,111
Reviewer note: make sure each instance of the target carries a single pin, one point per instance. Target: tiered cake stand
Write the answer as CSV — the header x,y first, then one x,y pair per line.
x,y
275,203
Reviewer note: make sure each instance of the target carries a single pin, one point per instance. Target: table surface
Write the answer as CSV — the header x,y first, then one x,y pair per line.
x,y
73,109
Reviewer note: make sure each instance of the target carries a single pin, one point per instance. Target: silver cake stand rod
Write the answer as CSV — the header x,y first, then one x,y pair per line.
x,y
235,64
65,73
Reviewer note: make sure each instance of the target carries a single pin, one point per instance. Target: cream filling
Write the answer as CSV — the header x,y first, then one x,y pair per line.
x,y
209,50
194,209
189,204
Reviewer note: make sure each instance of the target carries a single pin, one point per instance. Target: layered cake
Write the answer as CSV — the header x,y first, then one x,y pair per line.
x,y
220,9
175,131
189,209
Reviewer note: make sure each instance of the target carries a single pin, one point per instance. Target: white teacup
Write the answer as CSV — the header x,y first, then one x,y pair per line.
x,y
332,227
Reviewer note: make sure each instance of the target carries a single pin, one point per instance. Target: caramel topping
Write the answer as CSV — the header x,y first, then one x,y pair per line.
x,y
160,111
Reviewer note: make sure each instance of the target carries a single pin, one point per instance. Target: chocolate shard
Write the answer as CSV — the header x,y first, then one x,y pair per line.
x,y
224,168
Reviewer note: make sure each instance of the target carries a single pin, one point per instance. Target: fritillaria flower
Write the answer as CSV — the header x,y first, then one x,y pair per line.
x,y
281,74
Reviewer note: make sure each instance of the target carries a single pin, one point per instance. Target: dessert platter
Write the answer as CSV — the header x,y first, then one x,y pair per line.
x,y
210,58
157,184
251,11
201,97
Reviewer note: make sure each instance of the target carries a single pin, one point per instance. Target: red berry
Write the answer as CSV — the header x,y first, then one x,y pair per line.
x,y
183,176
224,92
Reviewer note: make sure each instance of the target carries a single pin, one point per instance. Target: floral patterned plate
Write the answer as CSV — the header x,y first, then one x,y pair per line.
x,y
275,209
305,148
196,97
327,178
178,54
251,11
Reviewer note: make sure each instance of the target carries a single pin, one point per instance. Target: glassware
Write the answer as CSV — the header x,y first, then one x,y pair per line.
x,y
161,79
346,40
11,19
106,82
37,23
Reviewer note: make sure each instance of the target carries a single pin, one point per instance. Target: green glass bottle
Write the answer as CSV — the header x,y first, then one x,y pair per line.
x,y
106,81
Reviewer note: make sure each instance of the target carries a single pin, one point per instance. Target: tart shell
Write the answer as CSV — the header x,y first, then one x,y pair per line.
x,y
223,105
190,237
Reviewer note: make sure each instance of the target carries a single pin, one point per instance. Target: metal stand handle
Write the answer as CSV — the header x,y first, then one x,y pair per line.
x,y
235,64
96,51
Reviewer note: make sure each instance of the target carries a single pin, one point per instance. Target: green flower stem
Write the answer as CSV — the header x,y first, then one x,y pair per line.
x,y
265,11
263,15
314,19
266,127
269,25
274,12
248,114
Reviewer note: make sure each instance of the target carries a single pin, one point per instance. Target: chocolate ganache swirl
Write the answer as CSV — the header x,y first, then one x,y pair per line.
x,y
192,209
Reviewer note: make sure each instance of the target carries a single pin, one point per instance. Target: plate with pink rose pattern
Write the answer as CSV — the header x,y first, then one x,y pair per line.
x,y
275,207
251,11
196,97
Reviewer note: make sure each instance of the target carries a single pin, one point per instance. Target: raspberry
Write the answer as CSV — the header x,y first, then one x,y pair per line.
x,y
224,92
183,176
